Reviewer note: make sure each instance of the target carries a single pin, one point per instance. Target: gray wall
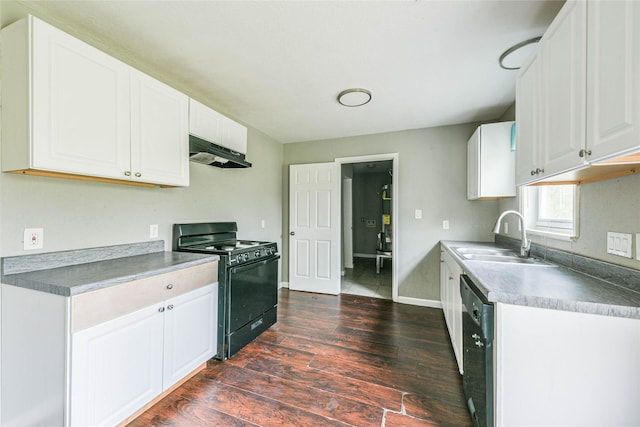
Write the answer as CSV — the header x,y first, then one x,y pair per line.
x,y
432,177
80,214
367,205
610,205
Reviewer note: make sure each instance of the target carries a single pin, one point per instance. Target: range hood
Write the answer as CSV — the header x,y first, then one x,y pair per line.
x,y
208,153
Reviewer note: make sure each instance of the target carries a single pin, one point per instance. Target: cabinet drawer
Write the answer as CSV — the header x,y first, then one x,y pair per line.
x,y
99,306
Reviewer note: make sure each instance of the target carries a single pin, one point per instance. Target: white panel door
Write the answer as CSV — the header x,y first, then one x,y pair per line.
x,y
190,332
613,78
314,228
159,132
116,367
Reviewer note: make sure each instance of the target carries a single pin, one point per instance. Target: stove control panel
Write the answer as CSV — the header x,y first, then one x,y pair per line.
x,y
252,254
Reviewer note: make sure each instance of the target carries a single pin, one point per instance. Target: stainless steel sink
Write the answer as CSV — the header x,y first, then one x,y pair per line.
x,y
498,255
484,251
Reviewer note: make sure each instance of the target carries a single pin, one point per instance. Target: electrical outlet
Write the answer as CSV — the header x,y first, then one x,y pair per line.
x,y
153,231
418,214
263,223
445,224
33,238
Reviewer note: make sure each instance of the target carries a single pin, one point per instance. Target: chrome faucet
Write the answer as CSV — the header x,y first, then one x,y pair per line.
x,y
525,246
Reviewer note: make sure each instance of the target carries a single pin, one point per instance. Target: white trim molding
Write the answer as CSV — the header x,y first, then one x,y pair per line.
x,y
283,285
421,302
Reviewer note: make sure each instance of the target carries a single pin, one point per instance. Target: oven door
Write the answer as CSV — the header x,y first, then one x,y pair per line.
x,y
252,292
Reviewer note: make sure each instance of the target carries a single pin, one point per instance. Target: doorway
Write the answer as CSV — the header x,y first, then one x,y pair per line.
x,y
369,228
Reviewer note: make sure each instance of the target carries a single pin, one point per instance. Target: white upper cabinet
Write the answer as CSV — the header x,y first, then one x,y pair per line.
x,y
208,124
613,78
551,99
491,162
71,109
562,54
204,122
578,99
159,132
527,121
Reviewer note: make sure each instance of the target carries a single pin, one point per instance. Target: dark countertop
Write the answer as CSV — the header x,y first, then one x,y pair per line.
x,y
556,287
80,278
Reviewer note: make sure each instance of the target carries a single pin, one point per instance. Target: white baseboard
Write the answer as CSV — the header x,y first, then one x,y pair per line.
x,y
283,285
421,302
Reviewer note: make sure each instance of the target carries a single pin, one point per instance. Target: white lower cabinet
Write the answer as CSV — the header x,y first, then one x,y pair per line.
x,y
96,358
451,300
561,368
116,368
120,365
190,323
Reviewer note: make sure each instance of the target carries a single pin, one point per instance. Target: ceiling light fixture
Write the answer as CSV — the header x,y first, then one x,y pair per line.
x,y
520,57
354,97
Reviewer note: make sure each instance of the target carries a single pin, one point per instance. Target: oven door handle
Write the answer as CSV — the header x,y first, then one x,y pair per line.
x,y
241,268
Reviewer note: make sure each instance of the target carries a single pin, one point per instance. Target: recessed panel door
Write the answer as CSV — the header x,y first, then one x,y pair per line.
x,y
314,228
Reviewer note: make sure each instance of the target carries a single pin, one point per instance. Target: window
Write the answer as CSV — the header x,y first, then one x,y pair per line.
x,y
551,210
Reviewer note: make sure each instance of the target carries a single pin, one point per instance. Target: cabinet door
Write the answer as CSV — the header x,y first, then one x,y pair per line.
x,y
190,332
80,106
159,132
473,165
204,122
613,78
527,121
234,136
563,58
116,368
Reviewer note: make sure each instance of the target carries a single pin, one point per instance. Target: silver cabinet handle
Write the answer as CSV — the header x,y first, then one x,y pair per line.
x,y
161,309
127,173
170,307
584,153
536,171
170,286
138,174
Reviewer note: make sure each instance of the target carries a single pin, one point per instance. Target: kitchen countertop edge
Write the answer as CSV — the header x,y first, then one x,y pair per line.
x,y
483,276
81,278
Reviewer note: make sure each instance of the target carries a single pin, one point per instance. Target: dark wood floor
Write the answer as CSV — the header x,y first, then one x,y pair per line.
x,y
330,360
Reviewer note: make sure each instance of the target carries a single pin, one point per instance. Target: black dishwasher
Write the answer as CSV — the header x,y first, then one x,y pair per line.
x,y
477,342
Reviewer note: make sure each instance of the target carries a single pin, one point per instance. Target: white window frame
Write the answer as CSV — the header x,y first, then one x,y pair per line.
x,y
555,229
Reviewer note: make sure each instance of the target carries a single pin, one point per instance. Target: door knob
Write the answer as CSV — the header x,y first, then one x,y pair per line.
x,y
293,233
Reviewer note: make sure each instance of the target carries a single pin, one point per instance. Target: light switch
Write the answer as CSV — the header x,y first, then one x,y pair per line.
x,y
619,244
418,214
445,224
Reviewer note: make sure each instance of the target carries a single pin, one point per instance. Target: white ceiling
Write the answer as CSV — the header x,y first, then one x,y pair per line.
x,y
278,66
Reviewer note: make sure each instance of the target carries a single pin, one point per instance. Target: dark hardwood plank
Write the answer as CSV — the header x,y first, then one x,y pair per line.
x,y
362,391
393,419
310,399
330,360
